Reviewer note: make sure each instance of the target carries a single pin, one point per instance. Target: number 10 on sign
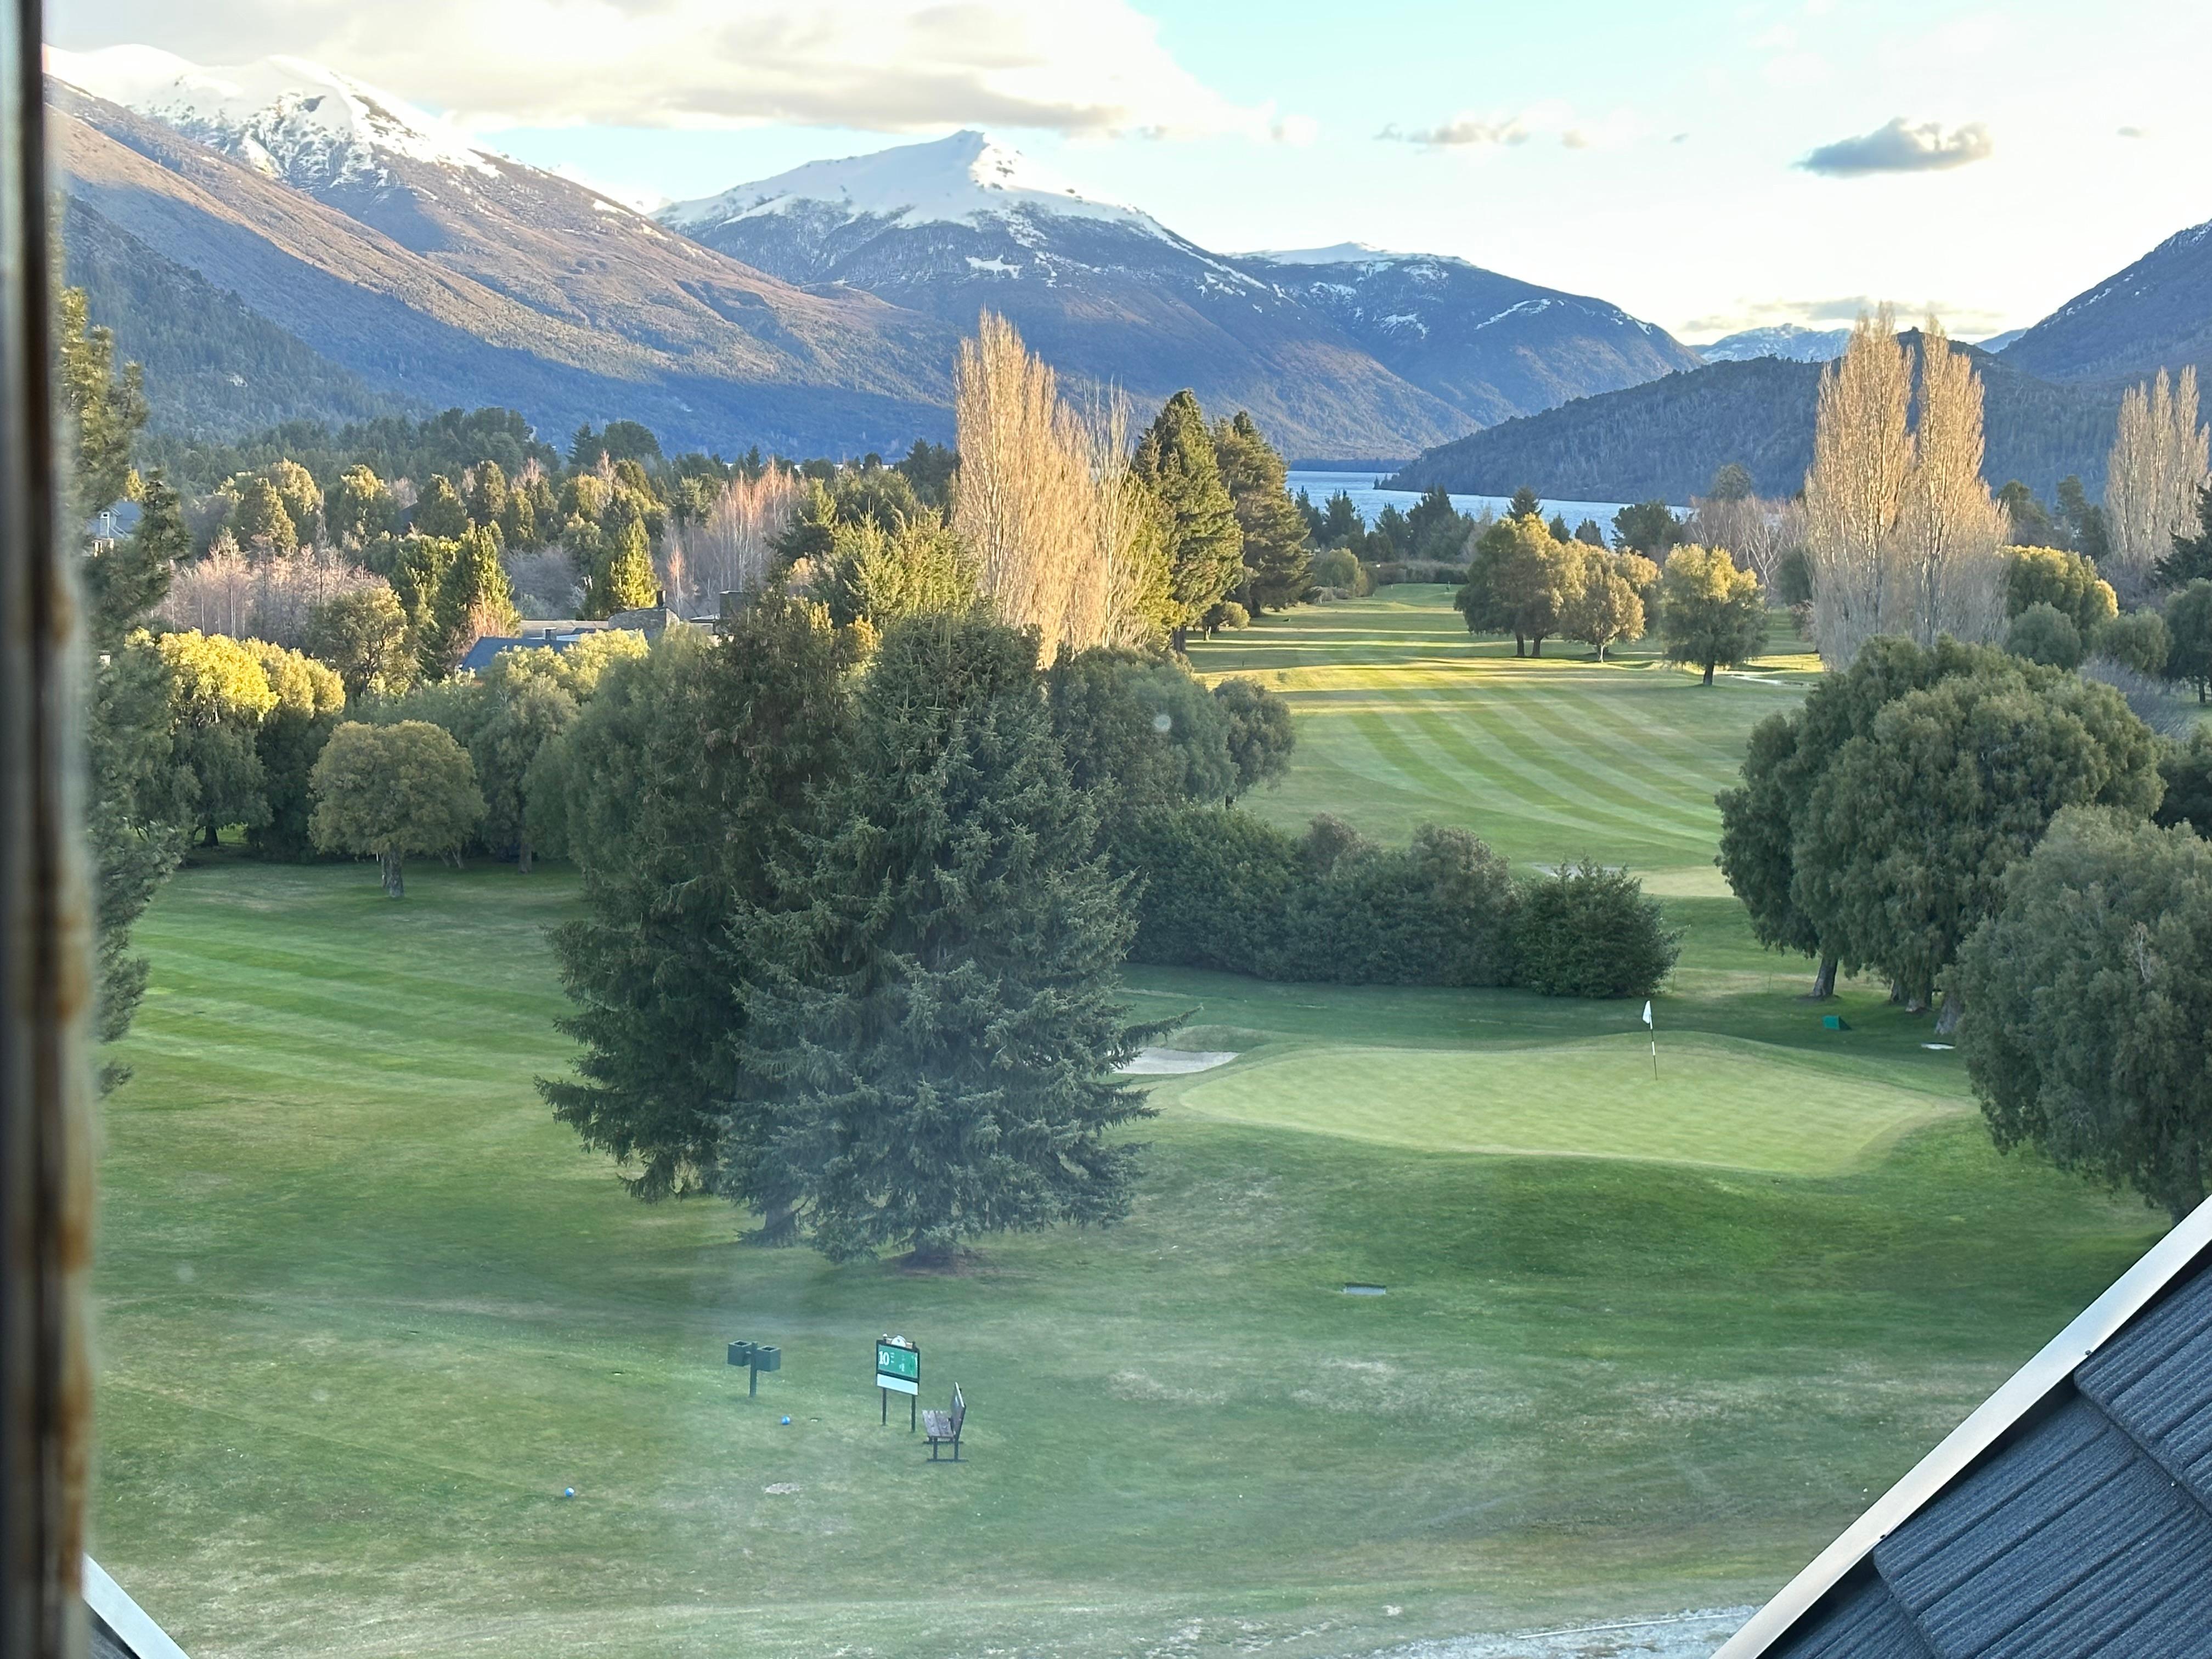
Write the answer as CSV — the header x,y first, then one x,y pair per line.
x,y
898,1370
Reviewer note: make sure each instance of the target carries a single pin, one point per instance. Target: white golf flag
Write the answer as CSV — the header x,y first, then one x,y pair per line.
x,y
1647,1016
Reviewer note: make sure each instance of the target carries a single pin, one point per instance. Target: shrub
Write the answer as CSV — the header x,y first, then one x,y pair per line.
x,y
2066,581
1438,911
1340,568
1213,885
2138,639
2044,634
1589,932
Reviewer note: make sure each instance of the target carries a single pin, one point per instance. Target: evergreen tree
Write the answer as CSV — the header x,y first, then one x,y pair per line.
x,y
365,636
297,489
358,508
937,994
137,805
1650,528
2084,521
623,580
691,776
1520,582
484,493
1341,525
2190,558
440,512
474,599
1278,568
2091,988
260,522
2189,627
1559,529
1904,843
1176,462
1524,505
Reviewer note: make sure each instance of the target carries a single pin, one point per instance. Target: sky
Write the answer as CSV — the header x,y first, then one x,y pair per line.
x,y
1711,165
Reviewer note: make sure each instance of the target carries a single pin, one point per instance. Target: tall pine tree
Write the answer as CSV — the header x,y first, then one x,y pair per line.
x,y
138,801
937,995
474,597
1175,461
623,581
686,780
1278,566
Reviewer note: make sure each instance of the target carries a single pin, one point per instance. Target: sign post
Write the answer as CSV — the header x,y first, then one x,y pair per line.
x,y
898,1370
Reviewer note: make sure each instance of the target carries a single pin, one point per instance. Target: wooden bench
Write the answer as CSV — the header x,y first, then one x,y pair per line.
x,y
942,1428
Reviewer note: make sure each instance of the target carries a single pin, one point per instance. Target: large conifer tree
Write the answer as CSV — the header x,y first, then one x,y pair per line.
x,y
686,781
936,994
1278,566
1205,549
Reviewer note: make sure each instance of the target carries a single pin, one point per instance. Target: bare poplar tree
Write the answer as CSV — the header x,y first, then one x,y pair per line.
x,y
2158,464
1757,531
1946,577
1038,499
731,551
1856,489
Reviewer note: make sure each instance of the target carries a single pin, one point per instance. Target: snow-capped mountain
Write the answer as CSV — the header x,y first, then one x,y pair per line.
x,y
437,272
2155,314
1792,341
1343,351
285,117
1492,346
818,309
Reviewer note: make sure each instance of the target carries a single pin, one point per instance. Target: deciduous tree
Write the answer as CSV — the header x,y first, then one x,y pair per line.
x,y
387,791
1710,613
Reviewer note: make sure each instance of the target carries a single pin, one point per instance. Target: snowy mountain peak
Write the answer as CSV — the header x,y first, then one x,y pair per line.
x,y
1339,253
957,180
284,117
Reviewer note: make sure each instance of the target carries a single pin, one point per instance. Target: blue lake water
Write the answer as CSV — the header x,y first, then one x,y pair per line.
x,y
1370,502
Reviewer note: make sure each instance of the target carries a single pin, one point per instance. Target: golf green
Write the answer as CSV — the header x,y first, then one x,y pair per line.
x,y
1716,1101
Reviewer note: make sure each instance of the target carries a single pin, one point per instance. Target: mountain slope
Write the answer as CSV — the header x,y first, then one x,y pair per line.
x,y
1668,438
440,282
1492,346
1104,293
213,367
2155,314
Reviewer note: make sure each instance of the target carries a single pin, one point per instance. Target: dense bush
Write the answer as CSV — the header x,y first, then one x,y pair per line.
x,y
1589,932
1219,889
1391,571
1213,885
2137,640
1438,911
2044,634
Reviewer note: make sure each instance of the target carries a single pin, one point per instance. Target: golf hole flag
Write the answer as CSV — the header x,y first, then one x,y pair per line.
x,y
1655,1039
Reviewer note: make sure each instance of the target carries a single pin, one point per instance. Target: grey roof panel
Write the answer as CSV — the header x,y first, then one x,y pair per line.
x,y
1865,1623
2154,1379
2069,1541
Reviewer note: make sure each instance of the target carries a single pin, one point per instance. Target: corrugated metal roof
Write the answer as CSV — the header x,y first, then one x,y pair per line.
x,y
2070,1516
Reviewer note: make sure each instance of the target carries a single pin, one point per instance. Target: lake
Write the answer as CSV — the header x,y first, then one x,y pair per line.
x,y
1370,502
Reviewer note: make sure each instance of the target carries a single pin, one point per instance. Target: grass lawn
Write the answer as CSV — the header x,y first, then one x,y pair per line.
x,y
366,1311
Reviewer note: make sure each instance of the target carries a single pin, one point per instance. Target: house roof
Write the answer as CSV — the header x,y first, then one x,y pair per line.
x,y
2070,1515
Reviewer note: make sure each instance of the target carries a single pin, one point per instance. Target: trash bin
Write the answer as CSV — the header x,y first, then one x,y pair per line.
x,y
741,1353
766,1358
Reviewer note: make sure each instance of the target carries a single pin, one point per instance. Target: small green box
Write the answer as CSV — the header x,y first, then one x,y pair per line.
x,y
766,1358
1834,1023
741,1353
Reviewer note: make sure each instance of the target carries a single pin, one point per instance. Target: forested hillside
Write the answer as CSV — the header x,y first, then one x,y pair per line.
x,y
1666,438
221,370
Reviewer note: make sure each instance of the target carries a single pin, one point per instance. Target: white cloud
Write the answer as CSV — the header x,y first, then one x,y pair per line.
x,y
1079,67
1895,146
1468,131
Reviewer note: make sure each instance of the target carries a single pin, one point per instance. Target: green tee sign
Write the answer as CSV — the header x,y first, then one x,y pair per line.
x,y
898,1367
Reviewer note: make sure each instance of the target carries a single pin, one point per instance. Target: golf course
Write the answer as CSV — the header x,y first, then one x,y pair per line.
x,y
1652,1331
